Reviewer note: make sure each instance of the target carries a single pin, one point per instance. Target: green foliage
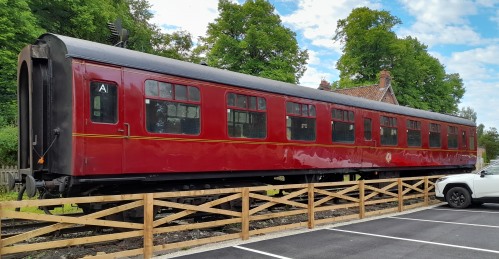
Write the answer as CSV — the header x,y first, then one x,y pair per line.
x,y
368,38
470,114
251,39
490,141
177,45
370,45
8,145
17,28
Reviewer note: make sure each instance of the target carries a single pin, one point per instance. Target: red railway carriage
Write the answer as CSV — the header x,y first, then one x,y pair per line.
x,y
95,118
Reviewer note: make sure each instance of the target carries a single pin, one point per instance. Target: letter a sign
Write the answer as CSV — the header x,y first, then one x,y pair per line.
x,y
103,89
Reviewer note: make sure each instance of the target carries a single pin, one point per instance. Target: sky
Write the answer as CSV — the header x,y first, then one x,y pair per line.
x,y
462,34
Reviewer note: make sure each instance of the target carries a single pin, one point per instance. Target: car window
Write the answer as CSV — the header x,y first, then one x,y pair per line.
x,y
494,169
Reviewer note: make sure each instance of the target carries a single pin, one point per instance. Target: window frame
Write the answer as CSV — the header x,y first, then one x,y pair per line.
x,y
433,130
347,118
454,131
388,123
91,102
414,125
172,99
248,109
300,115
370,129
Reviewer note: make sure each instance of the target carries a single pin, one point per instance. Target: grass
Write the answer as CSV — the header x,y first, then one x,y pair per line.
x,y
12,196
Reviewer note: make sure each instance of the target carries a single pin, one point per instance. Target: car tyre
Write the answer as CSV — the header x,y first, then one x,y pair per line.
x,y
458,197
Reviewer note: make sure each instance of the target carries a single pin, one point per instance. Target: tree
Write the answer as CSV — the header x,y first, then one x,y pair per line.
x,y
469,113
251,39
177,45
370,45
8,145
367,37
479,130
17,29
490,141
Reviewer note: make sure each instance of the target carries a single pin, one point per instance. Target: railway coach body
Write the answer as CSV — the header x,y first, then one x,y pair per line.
x,y
92,114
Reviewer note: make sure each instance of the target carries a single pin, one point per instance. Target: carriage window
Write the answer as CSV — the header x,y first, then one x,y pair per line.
x,y
103,102
172,108
413,133
300,121
463,139
388,131
452,137
243,120
435,140
343,125
472,140
367,129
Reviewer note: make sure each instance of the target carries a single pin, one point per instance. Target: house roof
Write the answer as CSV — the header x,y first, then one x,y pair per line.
x,y
371,92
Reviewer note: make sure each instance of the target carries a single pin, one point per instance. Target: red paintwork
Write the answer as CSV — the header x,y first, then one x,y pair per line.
x,y
103,149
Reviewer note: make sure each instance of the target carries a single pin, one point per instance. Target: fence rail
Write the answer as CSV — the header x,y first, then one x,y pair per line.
x,y
357,199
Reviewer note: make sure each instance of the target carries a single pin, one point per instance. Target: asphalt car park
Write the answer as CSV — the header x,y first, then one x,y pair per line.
x,y
437,232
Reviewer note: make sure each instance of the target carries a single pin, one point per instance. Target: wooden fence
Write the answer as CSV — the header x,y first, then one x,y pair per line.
x,y
305,205
4,170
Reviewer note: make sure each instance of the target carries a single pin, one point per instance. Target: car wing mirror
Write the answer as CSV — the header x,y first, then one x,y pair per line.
x,y
483,173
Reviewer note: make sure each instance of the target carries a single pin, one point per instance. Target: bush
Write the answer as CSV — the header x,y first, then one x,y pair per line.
x,y
8,145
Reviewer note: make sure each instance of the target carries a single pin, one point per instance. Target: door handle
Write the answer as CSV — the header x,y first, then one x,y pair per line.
x,y
121,130
127,129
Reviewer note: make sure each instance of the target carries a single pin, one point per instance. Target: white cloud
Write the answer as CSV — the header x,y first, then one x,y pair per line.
x,y
313,76
190,15
483,98
479,69
317,19
444,22
473,64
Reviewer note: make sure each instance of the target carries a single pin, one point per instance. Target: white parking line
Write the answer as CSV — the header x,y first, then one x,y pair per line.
x,y
261,252
445,222
475,211
416,240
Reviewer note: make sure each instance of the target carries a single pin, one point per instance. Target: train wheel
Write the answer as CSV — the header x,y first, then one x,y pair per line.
x,y
458,197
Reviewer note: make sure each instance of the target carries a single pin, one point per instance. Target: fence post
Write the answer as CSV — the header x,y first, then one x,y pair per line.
x,y
148,224
400,195
311,206
1,242
362,207
426,191
245,214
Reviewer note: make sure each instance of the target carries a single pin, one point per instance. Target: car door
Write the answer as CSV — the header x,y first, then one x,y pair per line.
x,y
486,185
104,128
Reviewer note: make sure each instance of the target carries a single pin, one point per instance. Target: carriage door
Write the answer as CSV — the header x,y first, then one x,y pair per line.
x,y
104,127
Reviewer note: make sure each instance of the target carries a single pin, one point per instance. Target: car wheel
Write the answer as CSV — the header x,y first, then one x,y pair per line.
x,y
458,197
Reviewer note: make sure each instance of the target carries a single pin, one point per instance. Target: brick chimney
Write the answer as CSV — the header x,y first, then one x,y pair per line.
x,y
324,85
384,79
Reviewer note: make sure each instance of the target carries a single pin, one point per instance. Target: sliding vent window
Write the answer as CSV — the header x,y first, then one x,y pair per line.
x,y
246,116
172,108
343,124
472,140
300,121
103,102
388,131
452,137
435,140
413,133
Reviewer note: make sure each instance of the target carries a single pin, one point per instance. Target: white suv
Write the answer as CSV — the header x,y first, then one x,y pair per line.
x,y
462,190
